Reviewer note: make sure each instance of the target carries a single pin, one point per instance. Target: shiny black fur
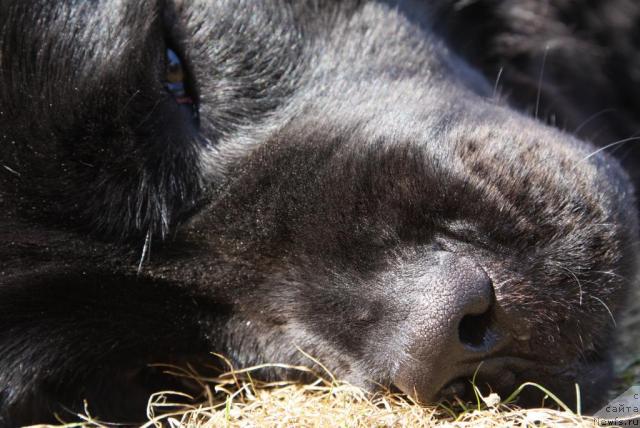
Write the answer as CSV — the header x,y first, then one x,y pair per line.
x,y
356,185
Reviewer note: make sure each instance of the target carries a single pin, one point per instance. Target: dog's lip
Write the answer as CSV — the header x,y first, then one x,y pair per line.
x,y
503,374
500,373
511,361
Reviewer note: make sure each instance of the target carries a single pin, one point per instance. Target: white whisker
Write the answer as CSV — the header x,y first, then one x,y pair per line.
x,y
538,95
608,146
610,273
615,324
495,86
146,249
11,170
578,282
592,117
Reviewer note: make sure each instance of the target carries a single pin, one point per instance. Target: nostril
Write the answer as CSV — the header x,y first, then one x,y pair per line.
x,y
475,331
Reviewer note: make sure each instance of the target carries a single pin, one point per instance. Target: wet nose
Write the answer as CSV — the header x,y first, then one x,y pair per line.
x,y
451,324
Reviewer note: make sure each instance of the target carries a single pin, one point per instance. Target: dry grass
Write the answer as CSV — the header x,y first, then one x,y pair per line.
x,y
235,399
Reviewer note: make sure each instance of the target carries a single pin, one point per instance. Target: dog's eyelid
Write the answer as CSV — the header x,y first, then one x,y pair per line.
x,y
176,82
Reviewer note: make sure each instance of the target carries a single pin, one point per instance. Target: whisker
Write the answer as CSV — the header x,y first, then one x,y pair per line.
x,y
11,170
538,95
123,110
146,248
592,117
610,273
577,281
615,324
608,146
495,85
149,114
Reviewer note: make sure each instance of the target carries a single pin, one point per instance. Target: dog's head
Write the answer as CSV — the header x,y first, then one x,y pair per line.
x,y
404,255
330,173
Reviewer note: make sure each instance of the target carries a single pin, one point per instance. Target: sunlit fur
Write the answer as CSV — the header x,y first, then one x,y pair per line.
x,y
343,150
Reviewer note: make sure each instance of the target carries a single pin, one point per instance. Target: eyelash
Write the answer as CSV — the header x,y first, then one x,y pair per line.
x,y
176,83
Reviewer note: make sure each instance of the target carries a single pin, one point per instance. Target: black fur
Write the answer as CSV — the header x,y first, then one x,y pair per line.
x,y
355,186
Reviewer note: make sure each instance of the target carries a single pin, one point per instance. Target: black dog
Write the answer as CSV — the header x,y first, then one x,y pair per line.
x,y
343,177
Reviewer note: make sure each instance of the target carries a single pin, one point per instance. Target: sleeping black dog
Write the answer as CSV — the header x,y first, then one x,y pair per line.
x,y
401,189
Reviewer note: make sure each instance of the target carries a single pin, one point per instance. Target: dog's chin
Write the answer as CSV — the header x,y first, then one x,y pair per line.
x,y
580,385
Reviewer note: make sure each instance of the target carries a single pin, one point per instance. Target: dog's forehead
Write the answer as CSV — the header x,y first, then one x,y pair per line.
x,y
345,45
247,56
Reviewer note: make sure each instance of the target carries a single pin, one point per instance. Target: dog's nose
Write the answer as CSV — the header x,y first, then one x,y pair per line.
x,y
450,327
473,296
